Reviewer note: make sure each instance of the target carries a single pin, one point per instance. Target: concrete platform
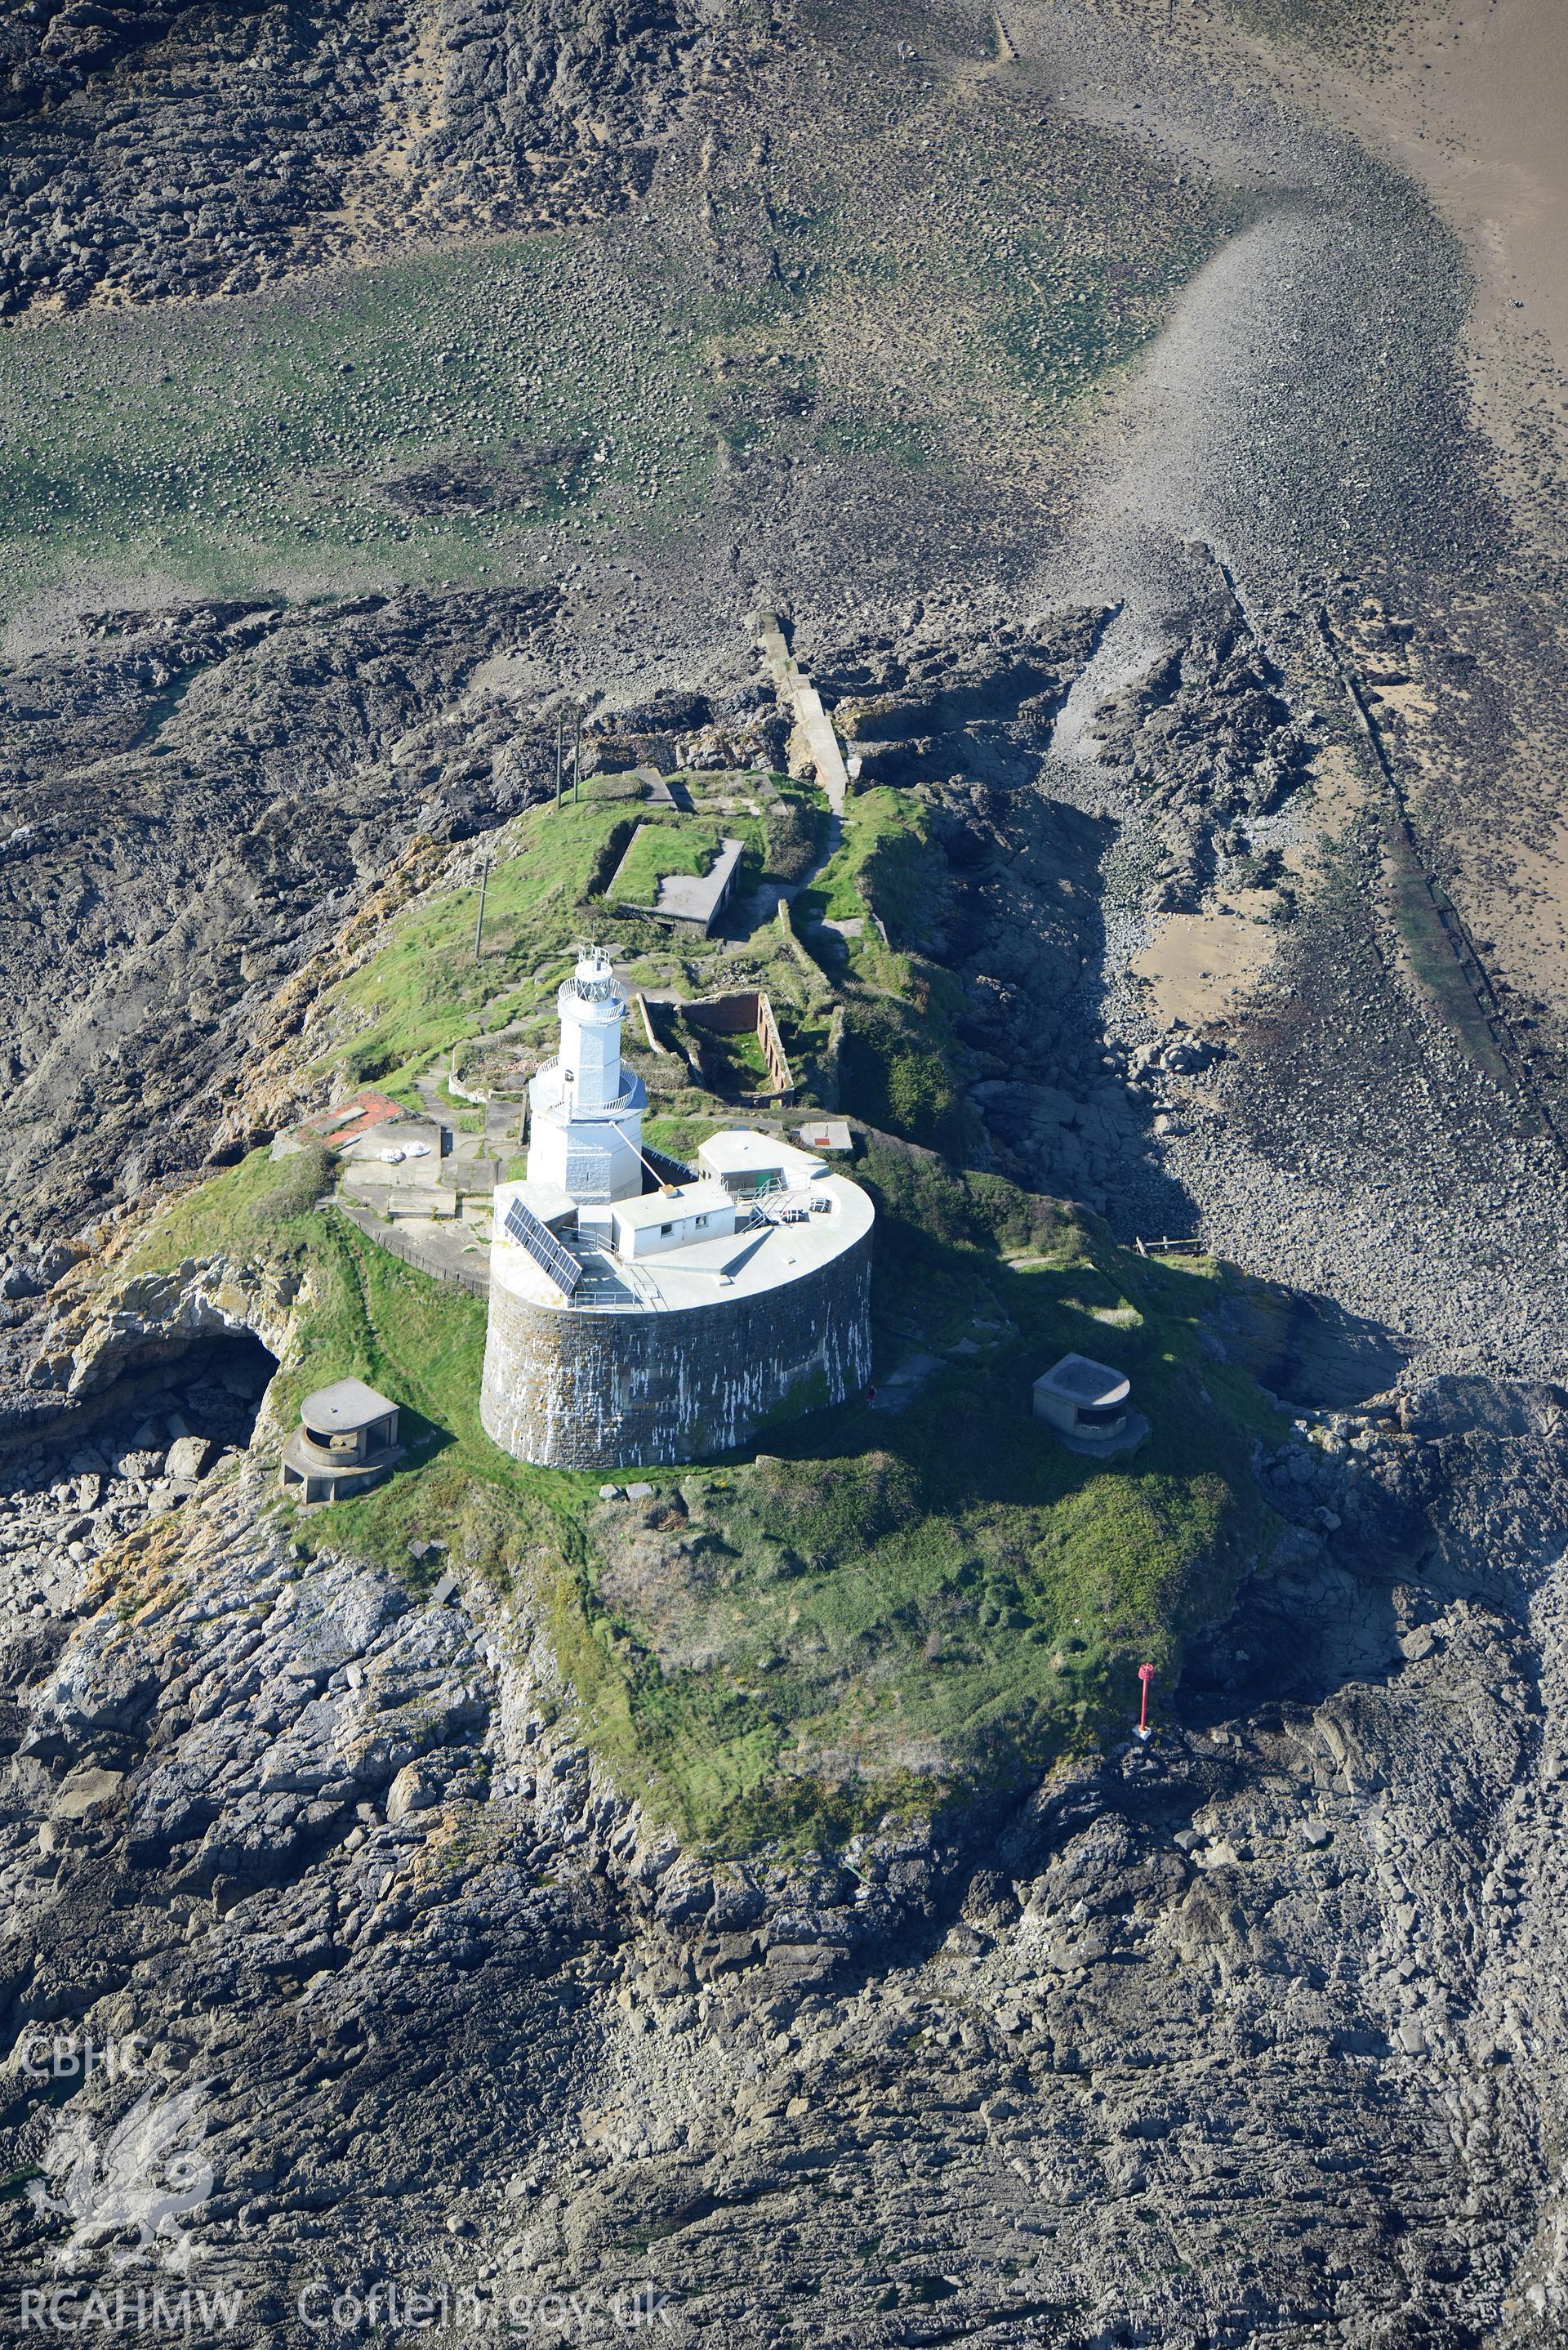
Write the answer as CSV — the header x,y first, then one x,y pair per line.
x,y
698,898
430,1202
420,1138
448,1252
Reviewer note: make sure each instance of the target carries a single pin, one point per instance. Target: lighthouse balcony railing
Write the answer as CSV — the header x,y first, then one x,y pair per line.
x,y
552,1078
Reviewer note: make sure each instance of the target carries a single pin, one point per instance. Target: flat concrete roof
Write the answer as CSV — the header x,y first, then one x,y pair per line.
x,y
742,1151
346,1404
548,1201
725,1253
797,1238
1085,1382
825,1134
690,896
693,898
671,1207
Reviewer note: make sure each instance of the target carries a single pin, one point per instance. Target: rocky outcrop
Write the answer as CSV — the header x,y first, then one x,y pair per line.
x,y
174,150
1208,740
158,1316
78,1479
192,804
337,1852
941,705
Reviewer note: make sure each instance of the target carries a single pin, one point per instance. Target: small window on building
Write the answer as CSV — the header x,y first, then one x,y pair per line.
x,y
665,1228
702,1219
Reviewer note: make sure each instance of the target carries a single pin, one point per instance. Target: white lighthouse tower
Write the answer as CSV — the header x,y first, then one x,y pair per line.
x,y
585,1127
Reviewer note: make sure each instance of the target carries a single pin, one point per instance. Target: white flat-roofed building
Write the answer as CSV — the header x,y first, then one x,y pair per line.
x,y
747,1162
826,1134
671,1219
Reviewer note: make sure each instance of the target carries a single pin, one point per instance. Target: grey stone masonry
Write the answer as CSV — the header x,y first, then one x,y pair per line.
x,y
575,1389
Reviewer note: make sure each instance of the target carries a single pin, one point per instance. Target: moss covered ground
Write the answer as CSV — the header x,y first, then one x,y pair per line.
x,y
870,1608
421,420
658,851
867,1609
968,275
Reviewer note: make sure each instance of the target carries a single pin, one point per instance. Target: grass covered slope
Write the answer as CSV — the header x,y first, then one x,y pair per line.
x,y
897,1602
399,1013
873,1609
896,1605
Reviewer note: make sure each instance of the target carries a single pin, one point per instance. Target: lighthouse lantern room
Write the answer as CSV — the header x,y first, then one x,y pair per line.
x,y
584,1131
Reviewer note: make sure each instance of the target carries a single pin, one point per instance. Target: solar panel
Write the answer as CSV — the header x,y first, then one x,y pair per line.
x,y
556,1263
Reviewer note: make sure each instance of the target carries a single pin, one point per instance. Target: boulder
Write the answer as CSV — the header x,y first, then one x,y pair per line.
x,y
190,1458
104,1680
415,1789
85,1791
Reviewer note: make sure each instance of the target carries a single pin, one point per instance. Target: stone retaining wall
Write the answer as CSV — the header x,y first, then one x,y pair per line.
x,y
749,1009
575,1389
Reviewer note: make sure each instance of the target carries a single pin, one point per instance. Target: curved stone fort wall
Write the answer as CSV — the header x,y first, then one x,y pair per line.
x,y
575,1389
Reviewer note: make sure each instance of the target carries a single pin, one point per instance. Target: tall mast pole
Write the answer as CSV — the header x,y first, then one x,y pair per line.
x,y
479,919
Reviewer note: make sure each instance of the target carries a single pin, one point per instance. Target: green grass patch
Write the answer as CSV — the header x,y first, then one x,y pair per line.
x,y
899,1069
870,1610
424,988
865,1611
363,1313
884,844
254,1208
658,851
678,1135
423,991
902,1068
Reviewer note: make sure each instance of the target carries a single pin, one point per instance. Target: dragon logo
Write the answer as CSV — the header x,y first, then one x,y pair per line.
x,y
147,2175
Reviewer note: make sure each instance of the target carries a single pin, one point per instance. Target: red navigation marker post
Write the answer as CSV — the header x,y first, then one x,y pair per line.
x,y
1145,1674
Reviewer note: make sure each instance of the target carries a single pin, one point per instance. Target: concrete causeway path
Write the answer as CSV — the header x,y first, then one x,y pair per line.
x,y
806,703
